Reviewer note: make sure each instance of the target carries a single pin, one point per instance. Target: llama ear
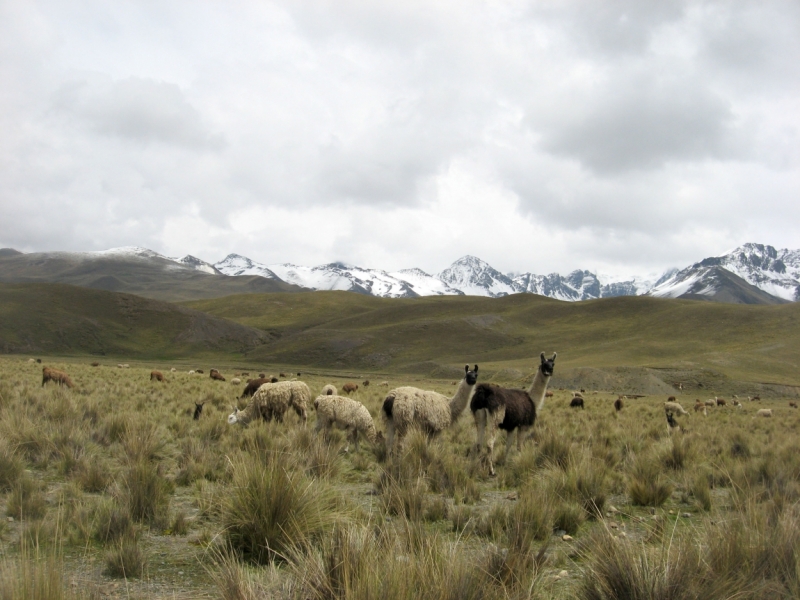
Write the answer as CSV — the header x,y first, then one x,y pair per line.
x,y
476,368
554,356
466,368
543,358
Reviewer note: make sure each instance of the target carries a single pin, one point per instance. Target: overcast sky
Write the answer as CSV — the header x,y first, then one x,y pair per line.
x,y
617,136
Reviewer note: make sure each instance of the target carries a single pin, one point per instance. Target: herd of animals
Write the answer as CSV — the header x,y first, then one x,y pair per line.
x,y
493,407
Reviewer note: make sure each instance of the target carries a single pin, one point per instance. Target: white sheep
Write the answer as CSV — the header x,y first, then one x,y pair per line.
x,y
236,381
191,372
405,407
273,400
348,414
329,390
674,406
764,412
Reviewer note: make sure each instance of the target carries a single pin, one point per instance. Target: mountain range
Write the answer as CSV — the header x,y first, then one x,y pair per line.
x,y
750,274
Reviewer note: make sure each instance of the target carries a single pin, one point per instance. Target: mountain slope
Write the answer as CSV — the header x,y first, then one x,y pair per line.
x,y
64,319
715,283
132,270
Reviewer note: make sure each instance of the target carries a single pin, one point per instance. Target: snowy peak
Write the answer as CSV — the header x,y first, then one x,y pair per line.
x,y
198,265
236,265
474,277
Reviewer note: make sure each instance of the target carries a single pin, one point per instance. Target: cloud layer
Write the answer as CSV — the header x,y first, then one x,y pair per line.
x,y
620,136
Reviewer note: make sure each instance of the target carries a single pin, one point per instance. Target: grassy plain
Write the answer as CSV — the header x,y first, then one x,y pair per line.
x,y
114,485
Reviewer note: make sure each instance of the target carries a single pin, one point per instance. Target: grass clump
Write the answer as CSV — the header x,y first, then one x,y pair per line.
x,y
11,467
270,507
647,485
26,500
126,559
146,493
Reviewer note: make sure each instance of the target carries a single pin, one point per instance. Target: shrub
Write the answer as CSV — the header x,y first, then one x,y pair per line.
x,y
126,559
26,500
11,467
112,523
647,485
146,493
569,516
268,507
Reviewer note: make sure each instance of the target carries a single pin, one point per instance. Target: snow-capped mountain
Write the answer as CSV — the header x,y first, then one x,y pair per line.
x,y
476,278
198,265
424,284
776,272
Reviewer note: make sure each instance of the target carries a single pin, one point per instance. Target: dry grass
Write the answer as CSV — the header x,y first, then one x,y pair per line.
x,y
143,492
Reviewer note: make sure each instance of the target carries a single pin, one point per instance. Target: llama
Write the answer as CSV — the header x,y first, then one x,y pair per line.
x,y
710,402
329,390
793,404
720,401
349,388
672,406
173,370
511,410
365,383
94,364
272,400
618,404
698,406
59,377
405,407
252,386
577,402
348,414
216,375
198,408
157,375
764,412
384,384
236,381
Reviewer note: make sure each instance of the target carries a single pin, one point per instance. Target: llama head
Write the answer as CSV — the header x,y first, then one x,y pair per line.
x,y
234,416
548,364
471,376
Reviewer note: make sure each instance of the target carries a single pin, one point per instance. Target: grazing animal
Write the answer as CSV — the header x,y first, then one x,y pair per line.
x,y
618,404
244,374
756,398
199,371
157,375
32,360
365,383
671,421
511,410
548,394
577,402
720,401
764,412
95,364
671,406
384,384
698,406
793,404
710,402
59,377
406,407
253,385
39,360
329,390
236,381
298,375
198,408
349,388
191,372
282,374
348,414
173,370
272,400
672,399
737,404
216,375
577,394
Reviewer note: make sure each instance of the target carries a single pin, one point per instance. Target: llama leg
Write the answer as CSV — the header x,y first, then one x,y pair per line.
x,y
355,438
389,436
510,441
523,431
480,417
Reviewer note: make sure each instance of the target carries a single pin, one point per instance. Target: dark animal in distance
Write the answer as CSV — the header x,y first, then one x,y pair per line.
x,y
157,375
261,375
577,402
348,388
59,377
281,374
198,408
671,421
95,364
618,404
39,360
720,401
253,385
793,404
216,375
273,380
365,383
199,371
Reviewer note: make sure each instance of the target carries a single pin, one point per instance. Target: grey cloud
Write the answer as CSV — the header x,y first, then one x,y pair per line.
x,y
141,110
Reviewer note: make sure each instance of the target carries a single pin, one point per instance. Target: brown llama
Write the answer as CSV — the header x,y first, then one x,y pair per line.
x,y
59,377
216,375
618,404
157,375
349,388
253,385
577,402
198,409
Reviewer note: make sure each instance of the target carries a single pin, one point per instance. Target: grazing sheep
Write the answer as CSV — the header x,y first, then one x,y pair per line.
x,y
236,381
199,371
157,375
710,402
384,384
511,410
329,390
31,360
252,386
618,404
95,364
365,383
173,370
577,402
671,406
216,375
198,408
348,414
272,400
764,412
59,377
349,388
191,372
406,407
720,401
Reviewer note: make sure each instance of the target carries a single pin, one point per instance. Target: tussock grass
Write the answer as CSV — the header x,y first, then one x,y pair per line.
x,y
126,558
647,485
269,507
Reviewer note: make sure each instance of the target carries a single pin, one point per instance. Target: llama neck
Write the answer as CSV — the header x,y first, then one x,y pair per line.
x,y
538,389
459,401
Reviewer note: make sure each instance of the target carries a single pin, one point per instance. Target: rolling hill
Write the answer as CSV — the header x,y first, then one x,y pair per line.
x,y
681,339
62,319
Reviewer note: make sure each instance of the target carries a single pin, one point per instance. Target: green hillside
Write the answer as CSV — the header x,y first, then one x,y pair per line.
x,y
340,329
63,319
